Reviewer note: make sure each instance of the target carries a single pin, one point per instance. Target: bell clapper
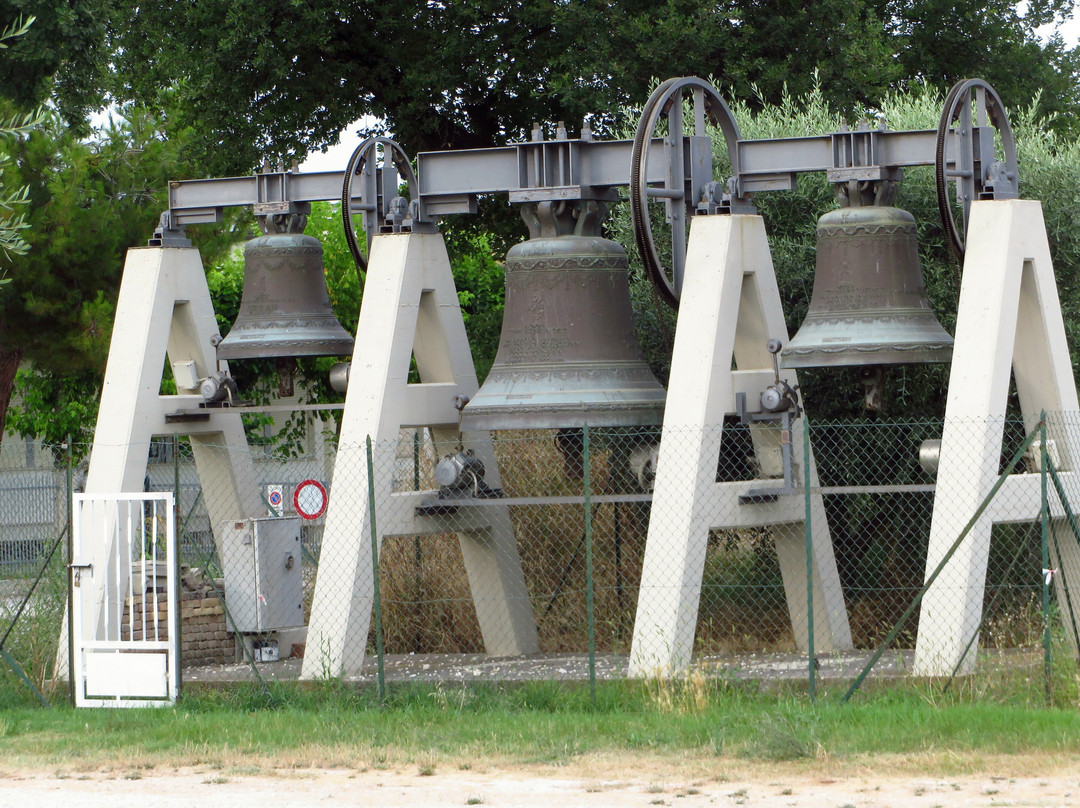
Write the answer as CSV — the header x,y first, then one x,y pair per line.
x,y
873,382
286,368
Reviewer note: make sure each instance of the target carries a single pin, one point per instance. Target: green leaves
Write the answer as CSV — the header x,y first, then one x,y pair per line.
x,y
62,57
52,406
480,280
12,218
86,202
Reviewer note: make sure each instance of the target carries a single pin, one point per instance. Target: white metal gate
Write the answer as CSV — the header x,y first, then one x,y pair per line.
x,y
124,612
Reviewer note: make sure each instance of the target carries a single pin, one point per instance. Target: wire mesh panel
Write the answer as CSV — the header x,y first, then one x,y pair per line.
x,y
32,505
878,501
33,566
533,546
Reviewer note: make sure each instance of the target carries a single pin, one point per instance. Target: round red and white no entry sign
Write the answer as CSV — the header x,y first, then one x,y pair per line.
x,y
310,499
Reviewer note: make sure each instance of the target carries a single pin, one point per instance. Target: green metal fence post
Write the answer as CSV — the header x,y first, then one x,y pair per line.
x,y
177,565
71,573
1044,515
418,553
1075,529
589,603
380,675
808,529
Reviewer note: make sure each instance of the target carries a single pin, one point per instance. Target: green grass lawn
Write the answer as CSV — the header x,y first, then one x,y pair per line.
x,y
537,723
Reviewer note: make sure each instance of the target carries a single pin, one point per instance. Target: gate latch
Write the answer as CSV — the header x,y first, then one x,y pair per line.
x,y
77,569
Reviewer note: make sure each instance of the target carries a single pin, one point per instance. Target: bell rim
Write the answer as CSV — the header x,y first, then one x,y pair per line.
x,y
561,418
862,355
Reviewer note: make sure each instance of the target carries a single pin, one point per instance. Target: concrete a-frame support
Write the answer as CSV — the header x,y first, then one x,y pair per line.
x,y
410,308
730,307
164,309
1009,318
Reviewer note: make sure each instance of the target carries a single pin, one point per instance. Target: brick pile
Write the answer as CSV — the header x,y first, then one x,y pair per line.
x,y
204,637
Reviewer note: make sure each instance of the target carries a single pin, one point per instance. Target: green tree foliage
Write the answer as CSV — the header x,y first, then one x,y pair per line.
x,y
56,407
63,58
12,219
481,288
89,200
238,81
941,42
277,78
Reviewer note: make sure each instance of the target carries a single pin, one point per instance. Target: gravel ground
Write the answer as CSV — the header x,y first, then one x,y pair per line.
x,y
563,667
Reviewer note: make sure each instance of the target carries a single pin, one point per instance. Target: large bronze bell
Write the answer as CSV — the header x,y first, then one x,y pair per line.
x,y
285,308
568,355
869,304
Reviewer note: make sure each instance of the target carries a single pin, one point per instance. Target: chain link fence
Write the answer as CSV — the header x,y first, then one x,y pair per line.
x,y
602,553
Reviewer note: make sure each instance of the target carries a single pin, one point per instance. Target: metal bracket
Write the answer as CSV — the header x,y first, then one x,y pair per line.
x,y
186,416
779,403
763,495
168,234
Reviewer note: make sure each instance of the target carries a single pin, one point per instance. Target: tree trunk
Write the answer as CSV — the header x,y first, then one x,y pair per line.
x,y
9,363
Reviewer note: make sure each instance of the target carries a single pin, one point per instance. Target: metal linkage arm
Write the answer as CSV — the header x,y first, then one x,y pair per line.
x,y
446,182
268,193
865,155
201,201
536,171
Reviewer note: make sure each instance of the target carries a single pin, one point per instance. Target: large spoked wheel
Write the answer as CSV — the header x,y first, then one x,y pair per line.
x,y
373,198
976,152
668,179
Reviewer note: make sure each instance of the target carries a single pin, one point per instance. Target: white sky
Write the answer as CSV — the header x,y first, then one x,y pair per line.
x,y
1070,29
335,158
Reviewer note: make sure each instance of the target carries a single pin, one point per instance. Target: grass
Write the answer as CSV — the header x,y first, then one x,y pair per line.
x,y
339,727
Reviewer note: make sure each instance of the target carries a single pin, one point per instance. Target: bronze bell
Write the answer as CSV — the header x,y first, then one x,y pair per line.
x,y
568,355
285,308
869,304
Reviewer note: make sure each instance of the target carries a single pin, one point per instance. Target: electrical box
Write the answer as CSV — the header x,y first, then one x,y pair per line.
x,y
264,584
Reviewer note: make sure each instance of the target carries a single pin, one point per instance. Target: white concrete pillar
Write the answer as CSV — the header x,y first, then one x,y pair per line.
x,y
1009,320
410,307
163,310
730,307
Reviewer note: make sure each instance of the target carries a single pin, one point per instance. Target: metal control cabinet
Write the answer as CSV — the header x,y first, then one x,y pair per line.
x,y
264,585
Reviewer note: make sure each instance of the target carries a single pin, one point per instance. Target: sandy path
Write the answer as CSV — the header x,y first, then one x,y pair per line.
x,y
520,788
